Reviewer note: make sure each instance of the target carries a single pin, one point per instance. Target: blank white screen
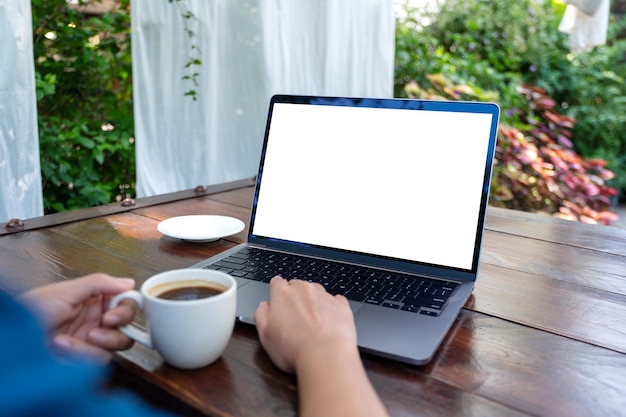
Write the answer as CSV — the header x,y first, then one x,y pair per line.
x,y
404,184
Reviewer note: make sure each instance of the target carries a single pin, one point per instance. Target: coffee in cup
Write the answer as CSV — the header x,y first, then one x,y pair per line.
x,y
190,315
187,290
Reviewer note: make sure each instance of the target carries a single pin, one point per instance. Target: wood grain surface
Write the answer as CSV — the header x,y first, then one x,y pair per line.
x,y
544,333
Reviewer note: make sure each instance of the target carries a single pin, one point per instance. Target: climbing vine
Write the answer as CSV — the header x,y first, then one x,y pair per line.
x,y
193,62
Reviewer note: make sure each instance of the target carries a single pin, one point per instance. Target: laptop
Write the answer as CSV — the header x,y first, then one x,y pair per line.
x,y
382,200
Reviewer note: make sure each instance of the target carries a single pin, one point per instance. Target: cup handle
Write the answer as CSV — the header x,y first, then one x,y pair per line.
x,y
131,330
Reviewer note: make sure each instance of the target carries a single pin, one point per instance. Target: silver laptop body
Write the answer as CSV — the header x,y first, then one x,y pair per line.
x,y
392,186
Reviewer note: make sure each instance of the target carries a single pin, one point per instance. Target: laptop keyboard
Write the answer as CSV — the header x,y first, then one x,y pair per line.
x,y
360,284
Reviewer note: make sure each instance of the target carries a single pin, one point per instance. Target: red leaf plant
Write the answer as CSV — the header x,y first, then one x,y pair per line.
x,y
536,167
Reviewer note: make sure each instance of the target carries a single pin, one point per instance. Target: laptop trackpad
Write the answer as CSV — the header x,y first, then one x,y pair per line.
x,y
252,293
248,298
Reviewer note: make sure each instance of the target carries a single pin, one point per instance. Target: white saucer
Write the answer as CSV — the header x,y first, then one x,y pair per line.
x,y
200,228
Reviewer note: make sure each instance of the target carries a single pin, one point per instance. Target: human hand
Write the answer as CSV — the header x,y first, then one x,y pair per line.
x,y
75,312
301,317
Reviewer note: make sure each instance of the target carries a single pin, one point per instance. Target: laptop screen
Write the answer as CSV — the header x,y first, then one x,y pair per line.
x,y
399,179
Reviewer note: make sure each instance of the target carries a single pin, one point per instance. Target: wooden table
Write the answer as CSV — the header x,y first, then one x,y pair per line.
x,y
544,333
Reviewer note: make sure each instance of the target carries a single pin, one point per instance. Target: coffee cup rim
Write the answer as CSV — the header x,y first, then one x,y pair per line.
x,y
149,284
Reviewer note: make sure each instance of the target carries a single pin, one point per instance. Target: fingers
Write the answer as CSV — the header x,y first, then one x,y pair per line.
x,y
262,312
99,345
342,299
109,339
279,286
260,316
299,282
70,346
120,315
279,283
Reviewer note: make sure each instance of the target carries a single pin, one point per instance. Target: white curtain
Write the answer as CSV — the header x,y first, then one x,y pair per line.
x,y
250,50
20,177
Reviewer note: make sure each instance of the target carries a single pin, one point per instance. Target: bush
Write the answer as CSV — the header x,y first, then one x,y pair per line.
x,y
536,168
492,44
498,48
597,99
84,102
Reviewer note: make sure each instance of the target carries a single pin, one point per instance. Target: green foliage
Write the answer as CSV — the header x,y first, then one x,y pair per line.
x,y
536,168
597,99
84,102
492,44
494,49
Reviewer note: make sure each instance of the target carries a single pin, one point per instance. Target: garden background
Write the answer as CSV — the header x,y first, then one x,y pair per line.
x,y
561,148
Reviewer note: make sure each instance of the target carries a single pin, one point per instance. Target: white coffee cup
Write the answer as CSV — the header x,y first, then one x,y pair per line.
x,y
188,334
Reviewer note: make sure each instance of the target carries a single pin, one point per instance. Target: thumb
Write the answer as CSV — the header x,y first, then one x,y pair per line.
x,y
260,316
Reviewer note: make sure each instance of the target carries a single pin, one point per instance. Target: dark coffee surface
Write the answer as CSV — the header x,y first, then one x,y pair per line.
x,y
189,293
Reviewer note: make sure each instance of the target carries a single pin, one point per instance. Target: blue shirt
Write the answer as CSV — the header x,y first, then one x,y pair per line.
x,y
34,382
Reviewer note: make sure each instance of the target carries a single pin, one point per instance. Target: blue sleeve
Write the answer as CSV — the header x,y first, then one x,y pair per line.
x,y
34,382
